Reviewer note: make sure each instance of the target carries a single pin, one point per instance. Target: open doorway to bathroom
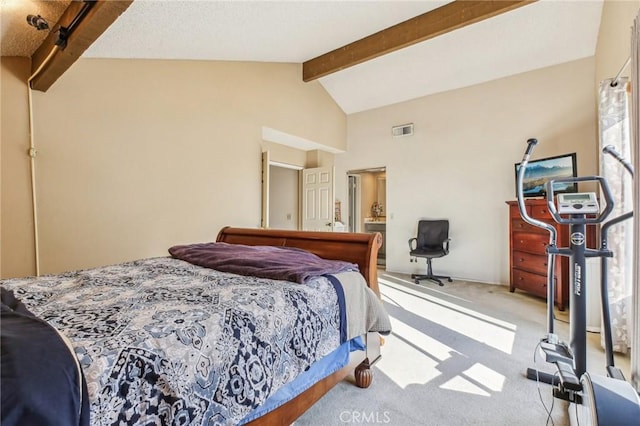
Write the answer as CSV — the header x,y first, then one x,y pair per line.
x,y
368,204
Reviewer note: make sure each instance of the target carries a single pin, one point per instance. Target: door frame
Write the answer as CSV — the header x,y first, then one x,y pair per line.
x,y
266,187
354,210
357,209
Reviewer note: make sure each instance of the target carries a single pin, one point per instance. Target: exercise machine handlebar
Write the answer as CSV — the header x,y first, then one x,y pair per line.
x,y
606,192
609,149
604,289
553,236
531,143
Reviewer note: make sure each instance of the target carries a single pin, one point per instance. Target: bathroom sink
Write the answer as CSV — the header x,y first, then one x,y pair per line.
x,y
375,219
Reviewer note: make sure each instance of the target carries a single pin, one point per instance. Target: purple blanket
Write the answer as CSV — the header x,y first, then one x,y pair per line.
x,y
278,263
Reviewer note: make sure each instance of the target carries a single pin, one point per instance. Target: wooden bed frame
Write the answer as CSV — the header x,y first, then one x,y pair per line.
x,y
361,249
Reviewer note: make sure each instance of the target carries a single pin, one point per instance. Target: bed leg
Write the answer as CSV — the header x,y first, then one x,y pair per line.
x,y
363,373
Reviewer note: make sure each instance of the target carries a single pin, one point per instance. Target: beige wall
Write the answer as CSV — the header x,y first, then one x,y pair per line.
x,y
135,156
284,154
459,164
614,38
138,155
16,217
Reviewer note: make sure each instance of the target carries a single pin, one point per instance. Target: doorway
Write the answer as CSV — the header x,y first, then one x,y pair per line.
x,y
280,194
283,197
297,198
367,193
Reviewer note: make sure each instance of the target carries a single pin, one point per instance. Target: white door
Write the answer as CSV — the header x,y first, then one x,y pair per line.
x,y
317,199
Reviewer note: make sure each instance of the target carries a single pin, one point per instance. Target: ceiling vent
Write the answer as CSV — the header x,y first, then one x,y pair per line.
x,y
402,130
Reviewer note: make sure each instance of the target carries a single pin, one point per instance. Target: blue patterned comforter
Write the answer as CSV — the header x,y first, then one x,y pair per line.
x,y
162,341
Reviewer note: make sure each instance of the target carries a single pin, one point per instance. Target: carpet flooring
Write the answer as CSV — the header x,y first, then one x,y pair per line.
x,y
457,355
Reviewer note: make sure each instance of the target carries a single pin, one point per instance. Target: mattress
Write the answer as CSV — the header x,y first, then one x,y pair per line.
x,y
164,341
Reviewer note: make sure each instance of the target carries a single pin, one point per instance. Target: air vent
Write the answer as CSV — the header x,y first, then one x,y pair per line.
x,y
402,130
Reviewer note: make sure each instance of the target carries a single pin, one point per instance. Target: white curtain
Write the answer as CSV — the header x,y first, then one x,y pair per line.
x,y
613,111
635,120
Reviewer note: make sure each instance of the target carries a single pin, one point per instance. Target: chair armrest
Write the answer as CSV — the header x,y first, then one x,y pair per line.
x,y
411,241
445,245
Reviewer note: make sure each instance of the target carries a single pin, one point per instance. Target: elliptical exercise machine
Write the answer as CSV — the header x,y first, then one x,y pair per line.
x,y
600,400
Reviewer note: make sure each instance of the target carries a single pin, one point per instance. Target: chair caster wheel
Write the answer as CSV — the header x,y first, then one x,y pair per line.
x,y
416,281
450,280
441,284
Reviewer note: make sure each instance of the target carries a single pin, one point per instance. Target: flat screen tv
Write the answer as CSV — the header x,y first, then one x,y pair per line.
x,y
539,172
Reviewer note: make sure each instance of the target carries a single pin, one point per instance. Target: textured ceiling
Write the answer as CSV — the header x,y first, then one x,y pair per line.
x,y
535,36
541,34
273,31
17,37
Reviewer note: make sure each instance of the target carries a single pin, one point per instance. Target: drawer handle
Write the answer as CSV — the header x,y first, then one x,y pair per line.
x,y
522,259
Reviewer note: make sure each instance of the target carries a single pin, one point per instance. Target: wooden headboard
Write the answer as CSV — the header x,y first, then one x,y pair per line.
x,y
358,248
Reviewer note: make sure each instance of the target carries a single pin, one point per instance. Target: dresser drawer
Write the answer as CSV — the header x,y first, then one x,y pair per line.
x,y
514,210
528,252
541,212
532,283
519,225
535,263
530,242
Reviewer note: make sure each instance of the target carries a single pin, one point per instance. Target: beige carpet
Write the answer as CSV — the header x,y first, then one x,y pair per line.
x,y
457,356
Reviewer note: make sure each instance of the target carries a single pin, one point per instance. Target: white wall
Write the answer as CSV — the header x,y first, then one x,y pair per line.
x,y
459,164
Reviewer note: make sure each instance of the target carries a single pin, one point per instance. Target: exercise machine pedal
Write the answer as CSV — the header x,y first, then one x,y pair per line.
x,y
554,352
568,378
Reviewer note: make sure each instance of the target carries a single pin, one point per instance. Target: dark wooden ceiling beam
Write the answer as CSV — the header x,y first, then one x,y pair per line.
x,y
439,21
87,30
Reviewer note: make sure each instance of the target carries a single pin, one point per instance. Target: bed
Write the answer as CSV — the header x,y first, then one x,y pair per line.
x,y
171,340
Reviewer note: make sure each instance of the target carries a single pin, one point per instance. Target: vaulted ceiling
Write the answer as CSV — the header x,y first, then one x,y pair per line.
x,y
366,54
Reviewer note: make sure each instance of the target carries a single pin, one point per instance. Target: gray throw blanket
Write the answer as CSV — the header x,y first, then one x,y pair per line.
x,y
277,263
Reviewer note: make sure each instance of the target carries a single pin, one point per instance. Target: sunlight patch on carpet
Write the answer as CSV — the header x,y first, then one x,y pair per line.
x,y
460,384
451,319
420,354
477,380
489,378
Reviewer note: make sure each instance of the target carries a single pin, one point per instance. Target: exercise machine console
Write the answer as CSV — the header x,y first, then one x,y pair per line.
x,y
600,400
582,202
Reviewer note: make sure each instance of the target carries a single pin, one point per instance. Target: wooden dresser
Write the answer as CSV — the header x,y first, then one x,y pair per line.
x,y
528,256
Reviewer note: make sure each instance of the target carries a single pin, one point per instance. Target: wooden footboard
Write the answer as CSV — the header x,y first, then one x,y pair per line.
x,y
358,248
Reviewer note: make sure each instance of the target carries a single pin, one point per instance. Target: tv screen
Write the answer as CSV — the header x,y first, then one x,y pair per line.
x,y
539,172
